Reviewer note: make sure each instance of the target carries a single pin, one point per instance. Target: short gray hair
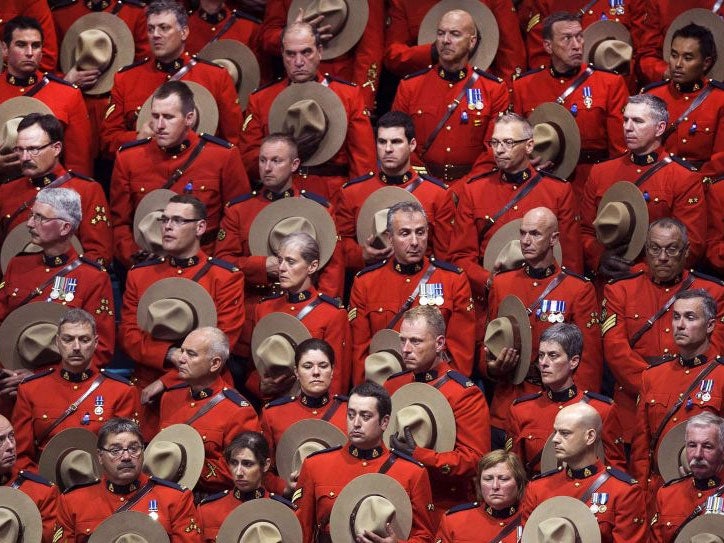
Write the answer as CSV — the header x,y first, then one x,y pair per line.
x,y
708,302
707,418
659,111
430,314
308,246
66,203
218,342
162,6
77,315
512,118
404,207
668,223
567,335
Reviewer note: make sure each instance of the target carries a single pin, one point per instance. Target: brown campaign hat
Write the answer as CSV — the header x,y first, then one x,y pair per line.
x,y
548,460
71,458
372,216
427,412
290,215
314,115
671,454
260,521
28,336
176,454
623,219
207,112
12,112
370,502
561,519
385,358
129,527
504,248
348,19
485,23
20,520
706,528
302,439
172,307
557,137
147,230
18,241
97,41
706,18
511,328
273,341
607,45
239,61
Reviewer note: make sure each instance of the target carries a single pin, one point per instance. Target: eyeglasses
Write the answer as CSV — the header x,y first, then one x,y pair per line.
x,y
507,144
32,151
176,221
134,451
655,250
40,219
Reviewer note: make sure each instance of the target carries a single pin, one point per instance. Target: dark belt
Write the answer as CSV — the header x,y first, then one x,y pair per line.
x,y
448,172
593,156
325,170
209,236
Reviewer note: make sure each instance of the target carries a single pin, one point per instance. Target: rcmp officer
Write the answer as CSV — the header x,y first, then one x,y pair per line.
x,y
124,486
453,104
22,48
324,474
167,32
40,12
213,20
410,278
96,396
204,401
176,158
613,496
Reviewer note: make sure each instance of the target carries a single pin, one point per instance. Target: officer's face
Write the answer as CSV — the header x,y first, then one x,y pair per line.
x,y
314,373
7,445
456,38
571,439
166,36
662,266
364,426
640,130
246,470
515,158
169,124
566,45
76,345
295,272
46,159
498,486
556,368
419,345
691,327
393,150
45,228
181,241
22,56
124,469
196,365
704,451
277,163
687,63
300,55
537,237
408,237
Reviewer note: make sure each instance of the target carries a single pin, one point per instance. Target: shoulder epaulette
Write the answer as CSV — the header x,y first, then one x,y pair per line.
x,y
399,374
169,484
330,449
92,262
281,401
214,497
341,397
447,266
605,70
81,485
679,479
599,397
574,274
371,267
661,360
149,262
243,15
37,375
282,499
116,377
272,296
241,198
527,397
330,77
224,264
177,386
321,200
134,143
365,177
708,278
502,272
546,474
487,75
434,180
654,85
621,476
207,62
133,65
460,379
551,175
137,3
80,176
720,359
481,175
57,79
625,276
461,507
716,84
217,141
407,457
265,85
686,164
35,477
418,72
236,397
330,300
57,4
532,71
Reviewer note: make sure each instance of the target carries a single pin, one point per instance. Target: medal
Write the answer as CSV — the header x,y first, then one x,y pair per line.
x,y
594,508
55,293
475,99
425,294
602,508
705,388
599,500
544,317
619,7
153,509
69,289
437,292
587,97
479,105
706,397
99,406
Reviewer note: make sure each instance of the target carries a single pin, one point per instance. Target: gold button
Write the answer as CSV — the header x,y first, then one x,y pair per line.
x,y
560,406
203,437
379,310
638,170
45,416
407,280
448,127
698,494
174,156
666,350
292,308
364,463
636,315
314,412
667,330
447,149
515,208
179,272
47,270
577,485
143,189
535,283
675,419
193,404
331,494
75,387
123,499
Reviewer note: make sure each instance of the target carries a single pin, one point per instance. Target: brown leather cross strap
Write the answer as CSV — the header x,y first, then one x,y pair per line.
x,y
514,523
695,104
698,510
227,26
557,280
308,308
332,410
62,273
145,489
595,486
385,467
411,298
588,72
213,402
522,193
184,70
717,6
178,172
588,6
651,171
38,87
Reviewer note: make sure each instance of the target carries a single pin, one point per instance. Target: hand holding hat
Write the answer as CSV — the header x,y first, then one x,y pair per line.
x,y
407,445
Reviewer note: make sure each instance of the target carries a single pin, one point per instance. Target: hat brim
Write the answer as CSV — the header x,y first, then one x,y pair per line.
x,y
123,47
26,510
485,23
181,289
669,451
276,323
208,111
333,109
303,431
271,215
510,231
512,306
601,31
187,437
69,439
557,115
384,197
18,241
245,61
20,106
706,18
154,202
703,524
548,460
433,399
20,320
129,522
267,510
625,191
570,508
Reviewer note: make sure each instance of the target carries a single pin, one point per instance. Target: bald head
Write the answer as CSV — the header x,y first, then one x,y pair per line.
x,y
584,415
538,236
576,432
7,445
461,18
456,39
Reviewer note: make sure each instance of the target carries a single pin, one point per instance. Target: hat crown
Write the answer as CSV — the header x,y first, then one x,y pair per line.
x,y
556,530
706,537
420,421
304,450
93,50
334,12
131,538
372,514
150,229
380,365
510,256
9,525
306,122
170,318
36,344
499,334
612,54
76,467
261,532
165,459
548,141
231,67
289,225
614,224
276,353
379,225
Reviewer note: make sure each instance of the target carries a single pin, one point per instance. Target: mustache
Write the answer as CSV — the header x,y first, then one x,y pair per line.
x,y
699,464
27,163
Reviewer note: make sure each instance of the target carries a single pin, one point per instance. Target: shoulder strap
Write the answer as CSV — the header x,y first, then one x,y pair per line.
x,y
309,308
38,87
588,72
178,172
413,186
62,273
595,486
411,298
651,171
699,509
145,489
695,104
184,70
7,221
715,8
224,29
514,524
527,187
332,410
384,468
553,284
585,8
203,271
213,402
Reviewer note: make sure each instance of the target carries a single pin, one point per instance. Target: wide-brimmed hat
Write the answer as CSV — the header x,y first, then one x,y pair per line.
x,y
707,528
370,502
147,230
548,460
561,519
385,358
706,18
290,215
239,61
623,219
18,241
428,414
260,521
207,112
273,341
671,453
12,112
511,328
372,216
302,439
556,137
129,527
607,45
28,336
348,19
97,41
172,307
71,458
20,520
314,115
485,23
504,248
176,454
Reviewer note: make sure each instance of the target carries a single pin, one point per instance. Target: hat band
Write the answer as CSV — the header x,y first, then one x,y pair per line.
x,y
631,224
433,437
182,466
515,327
353,514
562,140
